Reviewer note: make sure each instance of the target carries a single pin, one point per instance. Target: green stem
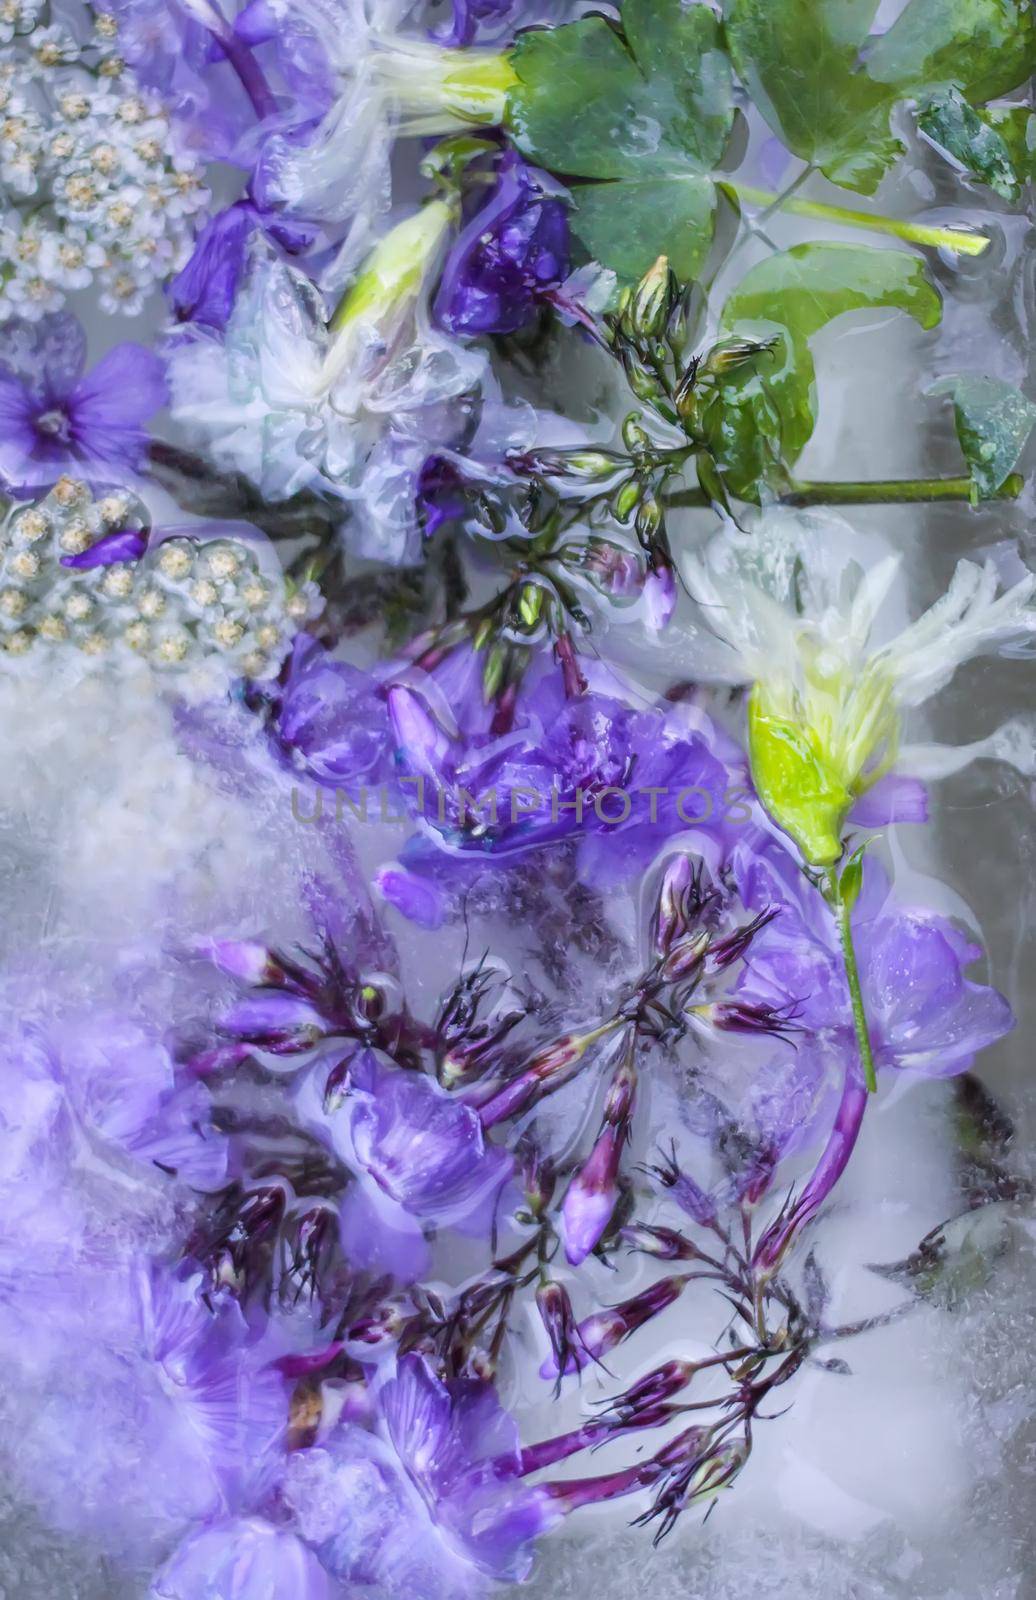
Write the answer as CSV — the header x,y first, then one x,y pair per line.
x,y
884,492
843,919
964,241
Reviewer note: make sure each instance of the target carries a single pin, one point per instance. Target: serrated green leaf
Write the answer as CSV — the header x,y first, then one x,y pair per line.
x,y
795,294
994,422
590,105
985,47
972,140
651,110
627,225
827,88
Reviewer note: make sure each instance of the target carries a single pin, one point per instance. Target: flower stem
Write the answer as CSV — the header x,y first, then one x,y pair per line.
x,y
842,915
964,241
880,492
253,79
894,491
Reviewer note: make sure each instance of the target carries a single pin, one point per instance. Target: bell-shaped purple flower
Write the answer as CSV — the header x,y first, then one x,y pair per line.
x,y
512,252
242,1559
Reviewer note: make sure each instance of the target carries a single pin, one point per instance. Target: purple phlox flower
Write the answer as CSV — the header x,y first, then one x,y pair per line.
x,y
592,1195
443,494
591,767
204,290
332,721
420,1158
56,419
127,545
161,1412
924,1015
894,798
242,1559
122,1084
432,1504
513,251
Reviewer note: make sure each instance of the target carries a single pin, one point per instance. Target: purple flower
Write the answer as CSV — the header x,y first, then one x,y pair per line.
x,y
590,767
158,1410
242,1559
122,1086
513,251
204,290
421,1159
331,722
924,1015
430,1505
54,419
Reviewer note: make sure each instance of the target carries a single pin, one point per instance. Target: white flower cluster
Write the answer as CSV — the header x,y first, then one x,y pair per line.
x,y
184,604
92,188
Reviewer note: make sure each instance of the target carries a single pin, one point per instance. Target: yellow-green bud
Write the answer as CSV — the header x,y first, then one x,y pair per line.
x,y
799,788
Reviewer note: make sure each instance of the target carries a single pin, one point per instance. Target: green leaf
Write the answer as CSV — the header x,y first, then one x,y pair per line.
x,y
994,422
795,294
589,105
851,881
650,110
828,88
985,47
627,225
992,147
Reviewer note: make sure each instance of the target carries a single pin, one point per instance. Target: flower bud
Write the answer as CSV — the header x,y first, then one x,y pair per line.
x,y
649,519
626,499
681,902
634,435
665,1244
731,355
652,300
371,313
604,1330
244,959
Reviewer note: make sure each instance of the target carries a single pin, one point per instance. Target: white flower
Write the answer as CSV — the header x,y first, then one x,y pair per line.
x,y
803,623
295,402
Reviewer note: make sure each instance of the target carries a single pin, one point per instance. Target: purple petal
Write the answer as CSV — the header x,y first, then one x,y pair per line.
x,y
129,545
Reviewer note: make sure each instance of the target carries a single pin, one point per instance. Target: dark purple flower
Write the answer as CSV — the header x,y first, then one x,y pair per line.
x,y
593,1192
430,1505
128,545
442,495
513,251
331,722
204,290
54,419
242,1559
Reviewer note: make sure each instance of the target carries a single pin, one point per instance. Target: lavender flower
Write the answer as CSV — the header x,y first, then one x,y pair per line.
x,y
242,1559
431,1504
925,1016
331,722
512,252
56,420
420,1159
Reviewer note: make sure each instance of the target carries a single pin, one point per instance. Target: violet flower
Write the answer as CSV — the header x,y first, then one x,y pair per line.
x,y
331,722
592,767
513,252
420,1159
924,1015
242,1559
54,419
432,1504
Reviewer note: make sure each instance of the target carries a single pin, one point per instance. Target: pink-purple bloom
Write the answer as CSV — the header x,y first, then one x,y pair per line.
x,y
242,1558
